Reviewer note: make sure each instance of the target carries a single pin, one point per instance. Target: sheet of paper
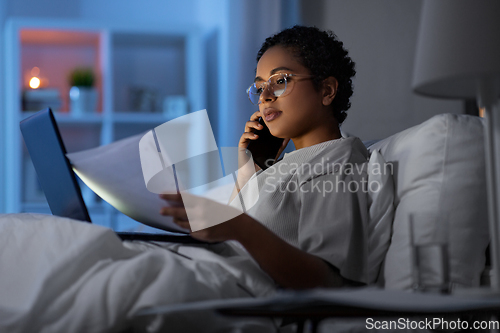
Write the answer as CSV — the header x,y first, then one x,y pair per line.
x,y
114,173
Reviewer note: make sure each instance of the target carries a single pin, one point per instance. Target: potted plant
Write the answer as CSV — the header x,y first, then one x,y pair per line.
x,y
82,95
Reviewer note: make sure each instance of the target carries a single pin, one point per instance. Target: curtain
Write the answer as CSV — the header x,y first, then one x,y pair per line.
x,y
250,22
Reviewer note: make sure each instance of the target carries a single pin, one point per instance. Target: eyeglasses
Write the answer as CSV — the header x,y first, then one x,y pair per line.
x,y
278,85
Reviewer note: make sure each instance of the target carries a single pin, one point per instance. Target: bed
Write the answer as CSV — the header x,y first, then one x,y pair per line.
x,y
59,274
63,273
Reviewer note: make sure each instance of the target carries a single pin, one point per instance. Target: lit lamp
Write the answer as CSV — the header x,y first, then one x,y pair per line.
x,y
34,82
458,56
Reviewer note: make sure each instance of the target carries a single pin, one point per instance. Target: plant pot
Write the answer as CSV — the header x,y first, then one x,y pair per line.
x,y
83,100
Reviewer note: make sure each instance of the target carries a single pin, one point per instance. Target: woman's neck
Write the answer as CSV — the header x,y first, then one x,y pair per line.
x,y
321,134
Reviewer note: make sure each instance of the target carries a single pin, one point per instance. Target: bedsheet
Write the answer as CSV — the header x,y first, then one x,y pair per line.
x,y
62,275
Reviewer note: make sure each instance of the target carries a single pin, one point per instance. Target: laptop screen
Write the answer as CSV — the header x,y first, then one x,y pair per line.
x,y
56,177
58,180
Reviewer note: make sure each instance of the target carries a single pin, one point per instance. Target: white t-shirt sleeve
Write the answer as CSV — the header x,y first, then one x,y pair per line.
x,y
332,222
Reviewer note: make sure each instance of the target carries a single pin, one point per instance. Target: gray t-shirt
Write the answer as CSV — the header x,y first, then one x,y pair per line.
x,y
314,199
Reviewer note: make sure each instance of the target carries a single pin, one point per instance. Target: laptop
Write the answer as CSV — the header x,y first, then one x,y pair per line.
x,y
58,180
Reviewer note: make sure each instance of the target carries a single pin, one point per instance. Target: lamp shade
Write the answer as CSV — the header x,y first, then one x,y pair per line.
x,y
458,48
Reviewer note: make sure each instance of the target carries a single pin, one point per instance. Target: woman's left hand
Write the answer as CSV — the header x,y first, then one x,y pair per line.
x,y
204,212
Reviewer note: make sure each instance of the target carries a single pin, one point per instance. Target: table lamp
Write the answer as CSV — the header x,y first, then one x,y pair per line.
x,y
458,56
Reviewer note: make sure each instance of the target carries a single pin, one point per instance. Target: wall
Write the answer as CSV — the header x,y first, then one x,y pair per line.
x,y
2,111
249,23
233,31
24,8
222,26
42,8
168,12
381,38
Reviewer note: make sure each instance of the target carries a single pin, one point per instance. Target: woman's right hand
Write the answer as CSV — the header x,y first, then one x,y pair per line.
x,y
250,127
246,170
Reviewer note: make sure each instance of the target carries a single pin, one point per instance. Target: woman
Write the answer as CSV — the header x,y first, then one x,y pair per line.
x,y
307,228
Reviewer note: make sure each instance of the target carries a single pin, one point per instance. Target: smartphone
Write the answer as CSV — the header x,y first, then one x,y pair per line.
x,y
265,148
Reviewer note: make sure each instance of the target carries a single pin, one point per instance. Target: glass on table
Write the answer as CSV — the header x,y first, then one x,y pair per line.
x,y
429,252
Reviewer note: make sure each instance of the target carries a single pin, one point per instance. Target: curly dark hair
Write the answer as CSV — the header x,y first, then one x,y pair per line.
x,y
324,55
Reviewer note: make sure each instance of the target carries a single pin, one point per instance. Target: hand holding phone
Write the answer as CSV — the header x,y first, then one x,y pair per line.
x,y
265,149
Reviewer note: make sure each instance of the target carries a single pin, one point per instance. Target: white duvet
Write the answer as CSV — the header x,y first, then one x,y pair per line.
x,y
61,275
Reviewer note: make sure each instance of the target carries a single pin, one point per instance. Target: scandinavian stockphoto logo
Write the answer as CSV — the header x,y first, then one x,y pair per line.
x,y
181,156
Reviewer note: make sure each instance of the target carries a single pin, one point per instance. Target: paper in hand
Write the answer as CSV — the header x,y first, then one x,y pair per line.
x,y
114,173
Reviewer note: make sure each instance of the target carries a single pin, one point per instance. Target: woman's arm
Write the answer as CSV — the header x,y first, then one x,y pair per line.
x,y
289,266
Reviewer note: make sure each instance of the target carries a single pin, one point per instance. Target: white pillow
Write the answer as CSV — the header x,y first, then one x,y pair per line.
x,y
439,166
381,212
